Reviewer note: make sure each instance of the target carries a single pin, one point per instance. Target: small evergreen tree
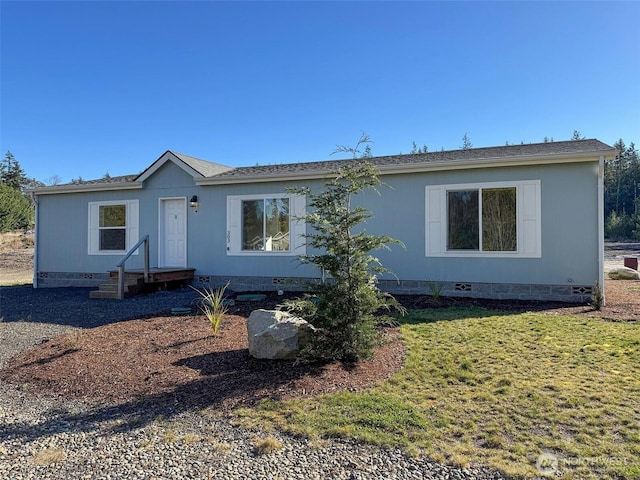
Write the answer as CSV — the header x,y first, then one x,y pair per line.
x,y
344,307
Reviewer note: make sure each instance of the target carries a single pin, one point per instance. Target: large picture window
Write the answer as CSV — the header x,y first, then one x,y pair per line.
x,y
113,227
494,219
265,224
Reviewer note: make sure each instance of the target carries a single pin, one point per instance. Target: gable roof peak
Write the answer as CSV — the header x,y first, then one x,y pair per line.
x,y
195,167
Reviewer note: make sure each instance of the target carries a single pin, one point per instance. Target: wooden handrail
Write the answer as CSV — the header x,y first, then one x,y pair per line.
x,y
121,263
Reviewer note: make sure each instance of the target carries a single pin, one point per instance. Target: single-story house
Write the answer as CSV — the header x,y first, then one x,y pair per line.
x,y
508,222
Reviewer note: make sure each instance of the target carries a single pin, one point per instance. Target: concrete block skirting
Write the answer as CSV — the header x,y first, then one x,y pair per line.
x,y
71,279
258,284
498,291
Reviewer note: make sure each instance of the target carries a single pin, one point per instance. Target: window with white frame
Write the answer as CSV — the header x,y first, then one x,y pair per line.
x,y
265,224
491,219
113,227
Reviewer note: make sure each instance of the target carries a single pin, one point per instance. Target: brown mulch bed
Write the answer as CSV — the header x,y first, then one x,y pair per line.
x,y
169,359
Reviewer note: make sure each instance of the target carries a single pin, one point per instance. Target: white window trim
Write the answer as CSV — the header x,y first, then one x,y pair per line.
x,y
528,221
297,226
94,230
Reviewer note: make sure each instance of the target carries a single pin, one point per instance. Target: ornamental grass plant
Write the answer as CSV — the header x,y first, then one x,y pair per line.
x,y
212,304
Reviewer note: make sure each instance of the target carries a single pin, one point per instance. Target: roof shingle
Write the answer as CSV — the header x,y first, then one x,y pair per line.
x,y
218,173
550,149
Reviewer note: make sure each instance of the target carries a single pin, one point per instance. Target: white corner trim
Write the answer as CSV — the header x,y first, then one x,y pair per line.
x,y
601,227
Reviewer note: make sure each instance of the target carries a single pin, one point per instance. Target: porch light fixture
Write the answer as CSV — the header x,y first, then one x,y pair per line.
x,y
193,203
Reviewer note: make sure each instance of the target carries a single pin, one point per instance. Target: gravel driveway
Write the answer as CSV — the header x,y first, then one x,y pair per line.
x,y
52,438
73,307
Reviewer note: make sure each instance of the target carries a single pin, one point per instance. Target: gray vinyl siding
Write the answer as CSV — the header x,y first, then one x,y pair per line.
x,y
63,232
63,223
569,224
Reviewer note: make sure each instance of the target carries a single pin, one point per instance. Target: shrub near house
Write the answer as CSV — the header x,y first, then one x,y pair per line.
x,y
343,310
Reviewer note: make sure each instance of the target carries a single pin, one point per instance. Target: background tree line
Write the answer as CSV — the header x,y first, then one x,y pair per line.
x,y
621,183
622,194
621,187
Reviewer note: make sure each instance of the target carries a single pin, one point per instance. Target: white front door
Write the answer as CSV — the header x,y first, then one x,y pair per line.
x,y
173,232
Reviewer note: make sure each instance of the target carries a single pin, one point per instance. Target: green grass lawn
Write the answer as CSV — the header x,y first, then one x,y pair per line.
x,y
482,387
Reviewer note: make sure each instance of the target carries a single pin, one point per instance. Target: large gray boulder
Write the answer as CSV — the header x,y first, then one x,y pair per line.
x,y
276,335
624,273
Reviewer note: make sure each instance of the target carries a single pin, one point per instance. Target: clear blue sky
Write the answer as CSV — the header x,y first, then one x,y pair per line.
x,y
90,87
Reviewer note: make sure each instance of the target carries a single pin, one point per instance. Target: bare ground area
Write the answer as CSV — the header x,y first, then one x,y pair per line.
x,y
16,259
16,267
166,359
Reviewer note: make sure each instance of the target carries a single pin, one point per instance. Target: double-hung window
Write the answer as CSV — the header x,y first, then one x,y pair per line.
x,y
113,227
265,224
492,219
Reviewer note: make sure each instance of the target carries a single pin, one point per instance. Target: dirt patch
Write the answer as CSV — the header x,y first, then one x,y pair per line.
x,y
16,258
15,241
16,267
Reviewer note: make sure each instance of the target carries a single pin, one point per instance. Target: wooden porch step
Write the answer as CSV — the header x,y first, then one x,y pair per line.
x,y
134,281
133,284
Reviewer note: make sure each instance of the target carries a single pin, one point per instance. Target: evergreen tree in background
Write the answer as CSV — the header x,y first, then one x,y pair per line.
x,y
11,173
621,178
466,143
415,149
622,194
16,209
577,135
16,212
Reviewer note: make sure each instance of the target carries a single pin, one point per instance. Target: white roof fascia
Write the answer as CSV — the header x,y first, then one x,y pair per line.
x,y
85,187
167,157
420,167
